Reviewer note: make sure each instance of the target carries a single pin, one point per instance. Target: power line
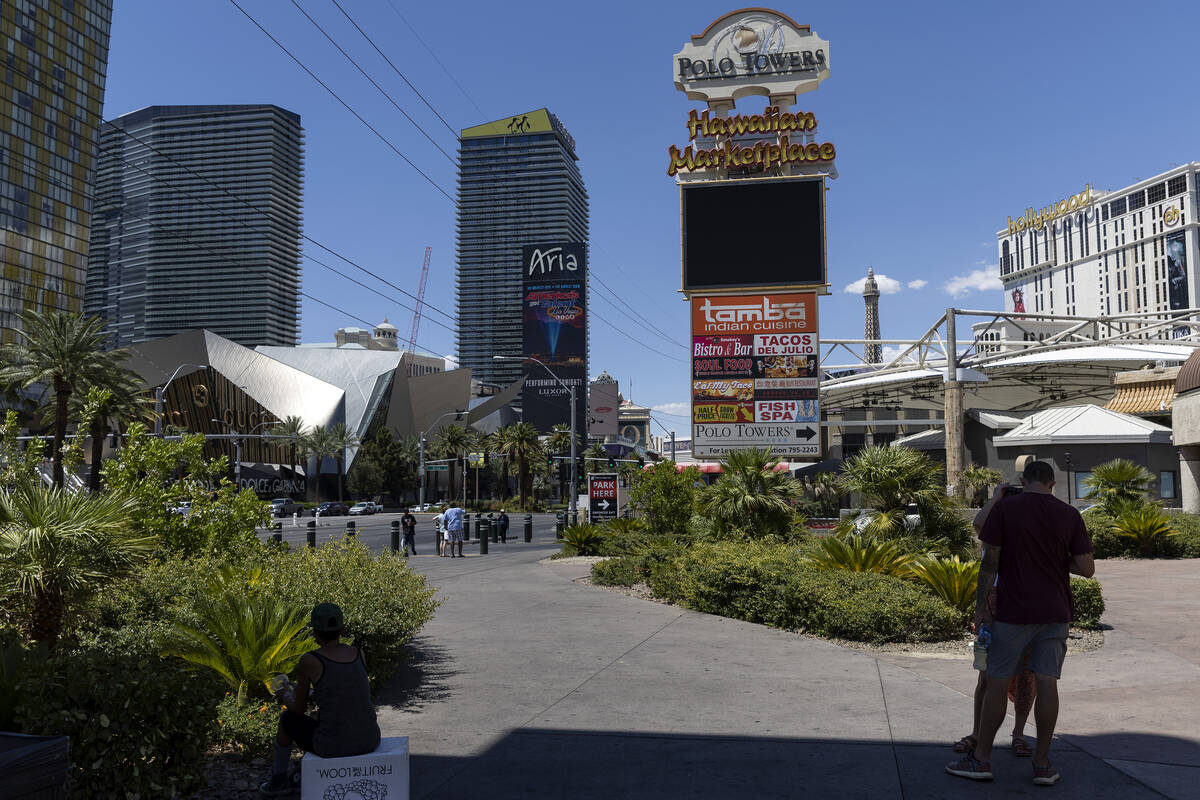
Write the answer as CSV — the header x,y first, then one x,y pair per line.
x,y
437,60
395,68
346,105
633,315
382,91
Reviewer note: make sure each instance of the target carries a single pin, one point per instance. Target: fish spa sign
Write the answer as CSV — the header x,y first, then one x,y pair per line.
x,y
754,51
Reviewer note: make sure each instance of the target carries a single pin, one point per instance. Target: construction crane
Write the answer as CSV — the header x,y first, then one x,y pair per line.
x,y
412,337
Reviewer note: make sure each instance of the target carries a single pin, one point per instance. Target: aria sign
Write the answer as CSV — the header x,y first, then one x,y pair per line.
x,y
754,51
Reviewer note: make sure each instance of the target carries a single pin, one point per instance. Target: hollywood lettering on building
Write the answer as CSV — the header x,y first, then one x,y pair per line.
x,y
1035,218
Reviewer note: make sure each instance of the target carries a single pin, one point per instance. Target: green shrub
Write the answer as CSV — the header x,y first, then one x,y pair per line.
x,y
383,601
583,540
954,581
244,635
250,727
1147,530
16,661
1089,601
137,722
856,553
770,584
1105,542
1187,533
623,571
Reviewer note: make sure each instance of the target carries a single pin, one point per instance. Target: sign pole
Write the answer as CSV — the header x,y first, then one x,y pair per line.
x,y
574,445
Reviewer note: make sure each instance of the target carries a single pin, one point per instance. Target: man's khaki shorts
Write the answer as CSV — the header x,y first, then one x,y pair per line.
x,y
1048,645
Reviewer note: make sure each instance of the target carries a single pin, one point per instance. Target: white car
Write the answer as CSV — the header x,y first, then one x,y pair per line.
x,y
420,508
364,507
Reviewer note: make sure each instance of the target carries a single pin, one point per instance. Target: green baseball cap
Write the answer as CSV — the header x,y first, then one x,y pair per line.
x,y
327,618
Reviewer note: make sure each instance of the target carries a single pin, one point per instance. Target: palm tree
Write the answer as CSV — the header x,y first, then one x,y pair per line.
x,y
292,429
975,480
319,442
1117,483
116,400
453,441
60,351
500,441
752,494
526,445
243,635
341,440
595,459
559,443
57,548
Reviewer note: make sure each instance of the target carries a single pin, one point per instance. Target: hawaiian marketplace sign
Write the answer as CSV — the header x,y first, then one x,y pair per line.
x,y
761,141
754,51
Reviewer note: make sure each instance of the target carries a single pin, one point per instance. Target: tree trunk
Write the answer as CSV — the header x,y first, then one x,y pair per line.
x,y
46,619
339,476
62,393
523,480
453,469
98,432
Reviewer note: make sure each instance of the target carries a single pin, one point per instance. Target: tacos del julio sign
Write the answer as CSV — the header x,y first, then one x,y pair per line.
x,y
750,52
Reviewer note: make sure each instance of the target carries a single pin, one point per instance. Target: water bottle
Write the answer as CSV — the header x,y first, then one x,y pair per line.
x,y
983,640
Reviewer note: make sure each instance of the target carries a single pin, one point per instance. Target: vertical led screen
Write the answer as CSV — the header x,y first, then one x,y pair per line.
x,y
554,331
1177,277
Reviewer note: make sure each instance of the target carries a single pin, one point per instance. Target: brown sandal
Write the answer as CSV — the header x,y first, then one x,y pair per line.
x,y
966,743
1020,747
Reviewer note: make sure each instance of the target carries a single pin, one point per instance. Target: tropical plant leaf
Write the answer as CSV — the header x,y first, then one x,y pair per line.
x,y
856,553
953,580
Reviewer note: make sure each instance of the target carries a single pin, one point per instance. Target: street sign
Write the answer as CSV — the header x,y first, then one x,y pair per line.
x,y
475,460
437,467
604,501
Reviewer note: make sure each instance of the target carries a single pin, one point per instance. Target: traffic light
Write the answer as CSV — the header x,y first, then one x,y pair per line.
x,y
550,460
612,463
641,462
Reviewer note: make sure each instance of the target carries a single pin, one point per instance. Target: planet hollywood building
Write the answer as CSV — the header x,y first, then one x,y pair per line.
x,y
1095,252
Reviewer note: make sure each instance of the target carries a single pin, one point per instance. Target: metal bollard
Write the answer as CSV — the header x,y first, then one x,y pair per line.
x,y
483,545
478,524
559,524
350,531
312,533
529,527
395,536
277,531
574,518
494,530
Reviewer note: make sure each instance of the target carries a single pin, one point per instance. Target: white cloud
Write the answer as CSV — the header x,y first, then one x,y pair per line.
x,y
892,352
451,362
919,283
886,285
678,409
979,280
981,262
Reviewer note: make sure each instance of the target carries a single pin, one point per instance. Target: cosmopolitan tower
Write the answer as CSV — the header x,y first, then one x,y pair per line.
x,y
518,185
198,224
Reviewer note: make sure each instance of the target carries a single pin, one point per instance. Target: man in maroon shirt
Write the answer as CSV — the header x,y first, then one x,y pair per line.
x,y
1033,541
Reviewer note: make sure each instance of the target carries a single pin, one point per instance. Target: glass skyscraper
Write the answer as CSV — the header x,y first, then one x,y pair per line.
x,y
55,60
519,184
197,224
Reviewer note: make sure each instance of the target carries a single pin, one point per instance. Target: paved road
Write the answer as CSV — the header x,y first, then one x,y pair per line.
x,y
528,684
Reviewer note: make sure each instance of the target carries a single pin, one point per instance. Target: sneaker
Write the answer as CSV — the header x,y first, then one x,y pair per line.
x,y
276,785
1046,776
971,767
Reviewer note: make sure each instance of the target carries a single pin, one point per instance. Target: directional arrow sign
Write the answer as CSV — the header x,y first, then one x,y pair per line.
x,y
603,505
805,433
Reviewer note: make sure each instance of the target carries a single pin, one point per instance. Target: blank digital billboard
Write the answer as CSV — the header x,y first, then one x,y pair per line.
x,y
753,233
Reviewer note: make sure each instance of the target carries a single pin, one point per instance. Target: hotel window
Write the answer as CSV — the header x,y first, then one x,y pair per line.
x,y
1177,185
1156,192
1005,259
1137,200
1117,207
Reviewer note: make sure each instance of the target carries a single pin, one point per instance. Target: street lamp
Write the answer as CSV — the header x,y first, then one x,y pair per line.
x,y
421,493
237,445
160,393
574,477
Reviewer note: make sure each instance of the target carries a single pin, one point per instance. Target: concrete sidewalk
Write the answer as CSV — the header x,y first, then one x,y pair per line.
x,y
527,684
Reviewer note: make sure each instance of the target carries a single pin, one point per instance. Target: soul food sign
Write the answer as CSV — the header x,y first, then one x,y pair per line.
x,y
754,51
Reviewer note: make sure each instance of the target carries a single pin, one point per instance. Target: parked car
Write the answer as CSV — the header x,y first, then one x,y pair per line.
x,y
333,509
363,507
183,508
419,508
285,507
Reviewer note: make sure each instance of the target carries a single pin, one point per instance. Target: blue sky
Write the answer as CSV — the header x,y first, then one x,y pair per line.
x,y
947,117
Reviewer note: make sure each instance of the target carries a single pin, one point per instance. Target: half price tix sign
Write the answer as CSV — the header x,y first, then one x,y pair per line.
x,y
755,374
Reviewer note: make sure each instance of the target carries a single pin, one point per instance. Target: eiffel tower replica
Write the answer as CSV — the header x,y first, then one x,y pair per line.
x,y
873,352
